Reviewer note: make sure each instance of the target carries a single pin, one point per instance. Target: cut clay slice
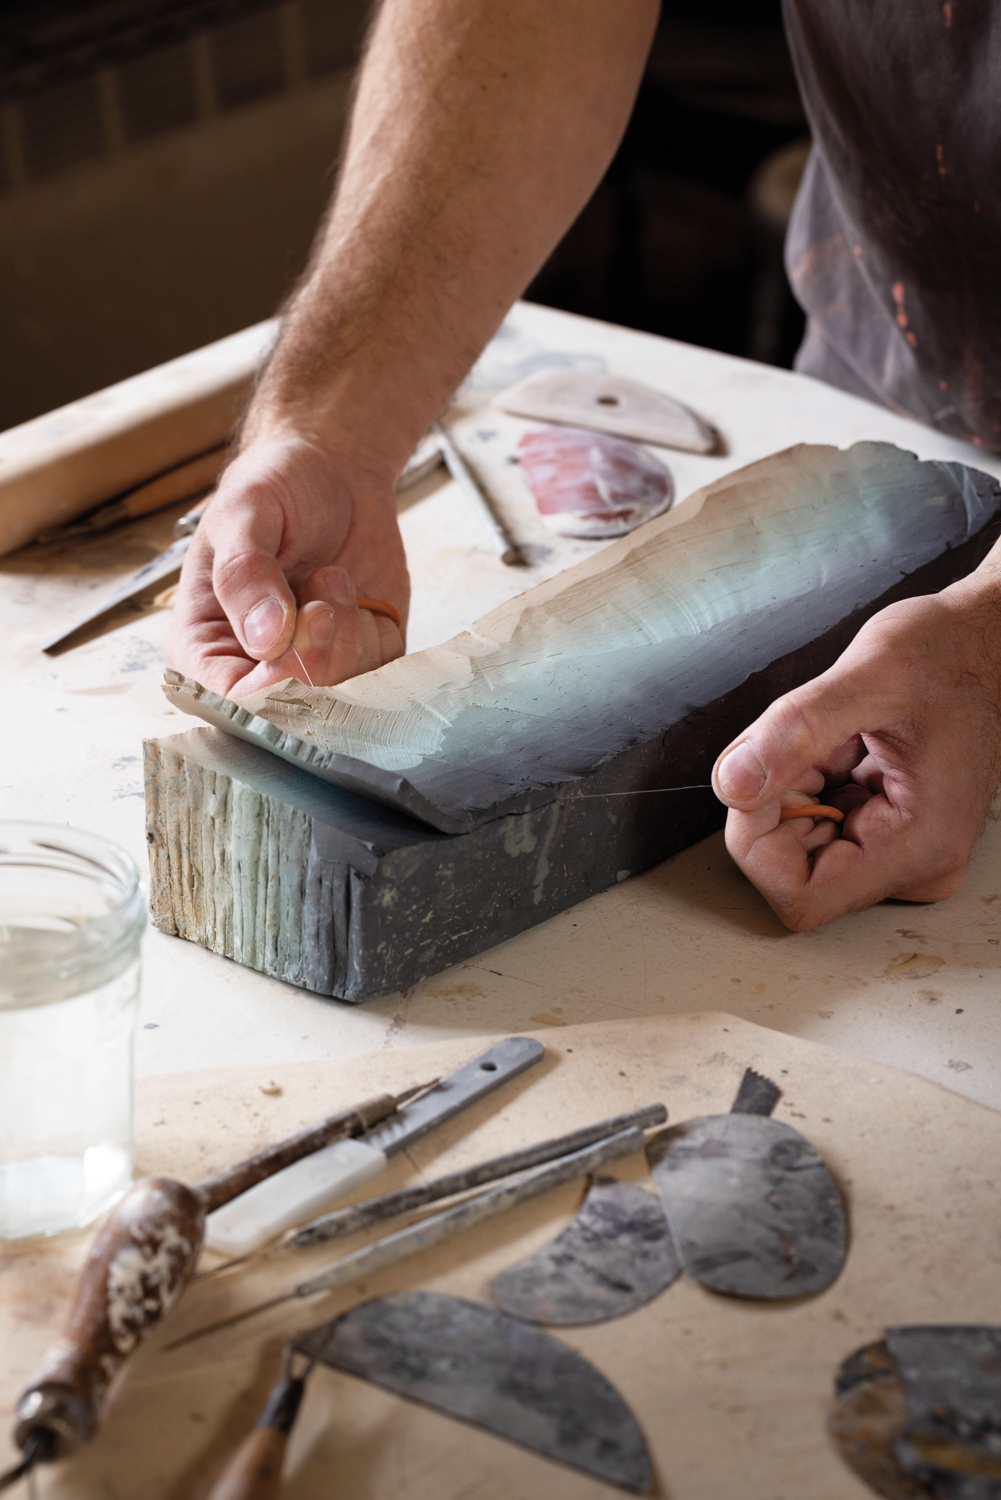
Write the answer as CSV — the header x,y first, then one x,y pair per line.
x,y
606,403
587,484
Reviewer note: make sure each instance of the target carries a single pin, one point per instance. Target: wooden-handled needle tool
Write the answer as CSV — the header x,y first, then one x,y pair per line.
x,y
140,1262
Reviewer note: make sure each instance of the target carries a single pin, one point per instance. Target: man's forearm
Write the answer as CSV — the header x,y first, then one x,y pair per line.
x,y
480,129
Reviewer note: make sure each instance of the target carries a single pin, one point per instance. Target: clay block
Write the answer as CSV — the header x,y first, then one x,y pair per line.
x,y
265,864
570,684
424,812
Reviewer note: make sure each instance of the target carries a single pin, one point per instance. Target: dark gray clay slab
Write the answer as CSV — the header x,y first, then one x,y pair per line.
x,y
616,1255
951,1380
485,1368
753,1208
584,693
271,865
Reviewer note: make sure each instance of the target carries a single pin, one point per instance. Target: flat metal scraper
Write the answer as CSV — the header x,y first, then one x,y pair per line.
x,y
607,403
752,1206
615,1255
487,1369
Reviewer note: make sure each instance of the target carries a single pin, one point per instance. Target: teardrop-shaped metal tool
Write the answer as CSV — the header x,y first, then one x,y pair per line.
x,y
607,403
481,1366
615,1255
753,1208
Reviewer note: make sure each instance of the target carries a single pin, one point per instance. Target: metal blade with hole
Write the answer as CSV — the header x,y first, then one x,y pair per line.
x,y
485,1368
154,572
607,403
615,1255
752,1206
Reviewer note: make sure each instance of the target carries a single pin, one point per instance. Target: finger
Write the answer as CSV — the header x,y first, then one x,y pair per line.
x,y
389,637
804,886
791,741
245,525
329,591
884,851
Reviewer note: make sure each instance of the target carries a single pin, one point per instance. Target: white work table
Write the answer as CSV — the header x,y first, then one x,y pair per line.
x,y
914,986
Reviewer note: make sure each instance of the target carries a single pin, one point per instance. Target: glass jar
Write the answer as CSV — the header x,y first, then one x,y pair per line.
x,y
71,916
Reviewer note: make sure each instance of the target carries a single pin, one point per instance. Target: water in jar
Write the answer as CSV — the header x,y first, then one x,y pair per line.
x,y
69,984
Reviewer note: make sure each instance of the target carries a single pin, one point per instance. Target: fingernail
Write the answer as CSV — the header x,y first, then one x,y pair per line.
x,y
340,586
740,773
263,626
320,626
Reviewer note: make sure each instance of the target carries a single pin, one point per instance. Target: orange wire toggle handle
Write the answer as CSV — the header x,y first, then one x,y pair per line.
x,y
380,607
810,810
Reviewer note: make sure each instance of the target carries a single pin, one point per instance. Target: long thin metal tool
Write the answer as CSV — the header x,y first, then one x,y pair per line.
x,y
152,572
417,1237
358,1216
504,545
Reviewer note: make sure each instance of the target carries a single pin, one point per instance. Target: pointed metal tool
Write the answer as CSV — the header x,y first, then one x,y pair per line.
x,y
615,1255
152,572
479,1365
753,1208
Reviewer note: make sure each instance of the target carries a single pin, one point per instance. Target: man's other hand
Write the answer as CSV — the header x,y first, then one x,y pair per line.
x,y
290,539
903,734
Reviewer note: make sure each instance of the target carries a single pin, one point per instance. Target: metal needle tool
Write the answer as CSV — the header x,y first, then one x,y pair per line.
x,y
506,548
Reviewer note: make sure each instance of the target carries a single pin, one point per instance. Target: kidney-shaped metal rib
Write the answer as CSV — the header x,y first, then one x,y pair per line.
x,y
479,1365
753,1208
615,1255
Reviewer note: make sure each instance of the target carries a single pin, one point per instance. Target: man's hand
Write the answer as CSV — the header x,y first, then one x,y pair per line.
x,y
290,539
480,129
903,734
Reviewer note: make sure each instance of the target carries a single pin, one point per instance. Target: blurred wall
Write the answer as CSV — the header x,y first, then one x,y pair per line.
x,y
164,164
160,196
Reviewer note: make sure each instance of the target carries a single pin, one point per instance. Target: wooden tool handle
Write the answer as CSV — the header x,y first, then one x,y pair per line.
x,y
255,1472
138,1266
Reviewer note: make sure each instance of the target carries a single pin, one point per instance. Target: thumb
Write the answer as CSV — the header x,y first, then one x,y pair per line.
x,y
246,526
791,742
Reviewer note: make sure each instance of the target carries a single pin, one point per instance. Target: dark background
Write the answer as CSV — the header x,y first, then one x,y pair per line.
x,y
163,165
